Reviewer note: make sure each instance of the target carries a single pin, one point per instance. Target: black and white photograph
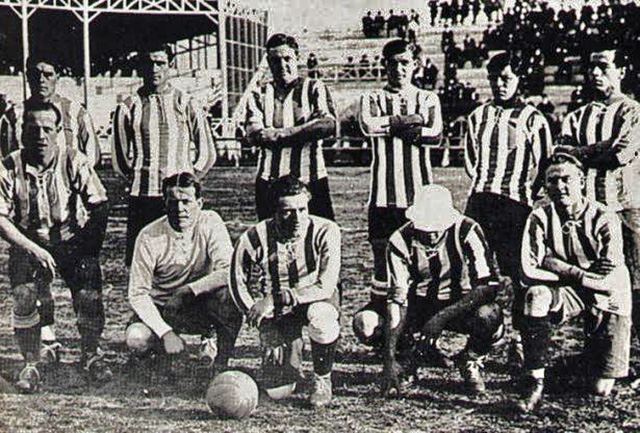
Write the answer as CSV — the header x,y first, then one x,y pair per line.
x,y
320,216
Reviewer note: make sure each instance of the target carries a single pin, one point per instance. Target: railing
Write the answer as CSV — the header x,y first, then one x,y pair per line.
x,y
345,73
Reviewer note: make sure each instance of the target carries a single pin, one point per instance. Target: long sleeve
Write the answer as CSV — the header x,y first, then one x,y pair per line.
x,y
122,141
542,148
140,280
254,117
240,272
398,263
609,236
87,139
328,269
8,135
220,251
470,148
431,131
372,122
534,251
478,256
200,135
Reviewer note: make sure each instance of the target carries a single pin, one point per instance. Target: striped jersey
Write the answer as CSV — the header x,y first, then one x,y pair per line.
x,y
309,266
156,135
399,167
165,260
506,150
596,233
308,98
445,271
51,205
78,131
618,124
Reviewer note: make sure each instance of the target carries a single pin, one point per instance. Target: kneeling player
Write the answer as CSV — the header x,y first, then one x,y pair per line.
x,y
441,277
53,212
178,280
298,259
573,264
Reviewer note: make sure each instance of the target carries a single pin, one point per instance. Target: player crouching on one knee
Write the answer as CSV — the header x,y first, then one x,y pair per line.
x,y
53,212
178,279
298,259
573,264
441,276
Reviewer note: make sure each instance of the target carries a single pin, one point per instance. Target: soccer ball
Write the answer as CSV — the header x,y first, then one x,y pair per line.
x,y
232,394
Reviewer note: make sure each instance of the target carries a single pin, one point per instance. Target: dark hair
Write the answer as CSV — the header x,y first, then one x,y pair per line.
x,y
43,57
31,106
182,180
289,185
501,61
620,58
153,48
280,39
398,46
562,157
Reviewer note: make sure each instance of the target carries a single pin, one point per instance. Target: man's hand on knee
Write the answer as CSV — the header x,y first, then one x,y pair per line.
x,y
172,343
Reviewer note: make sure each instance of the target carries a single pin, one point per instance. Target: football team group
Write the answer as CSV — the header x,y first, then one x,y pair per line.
x,y
574,253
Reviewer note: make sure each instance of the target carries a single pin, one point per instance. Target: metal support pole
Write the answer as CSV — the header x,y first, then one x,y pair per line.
x,y
24,16
222,50
86,51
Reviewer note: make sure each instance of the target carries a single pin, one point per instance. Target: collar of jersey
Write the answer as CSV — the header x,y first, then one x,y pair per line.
x,y
32,171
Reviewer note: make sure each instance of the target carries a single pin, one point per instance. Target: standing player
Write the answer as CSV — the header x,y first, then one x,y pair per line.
x,y
78,130
507,144
287,119
400,121
154,131
441,276
573,264
179,273
297,257
53,212
605,136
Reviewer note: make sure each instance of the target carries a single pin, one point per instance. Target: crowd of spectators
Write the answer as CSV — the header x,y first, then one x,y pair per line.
x,y
471,52
399,24
465,12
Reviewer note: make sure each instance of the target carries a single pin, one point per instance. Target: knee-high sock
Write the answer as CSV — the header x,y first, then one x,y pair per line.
x,y
27,332
323,355
536,338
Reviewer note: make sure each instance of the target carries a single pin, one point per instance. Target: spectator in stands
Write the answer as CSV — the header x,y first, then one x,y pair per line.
x,y
470,50
312,64
367,26
43,73
378,69
153,131
379,23
433,11
546,107
349,70
290,136
403,24
429,74
365,67
412,30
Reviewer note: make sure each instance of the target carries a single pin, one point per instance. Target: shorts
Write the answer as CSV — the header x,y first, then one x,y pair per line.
x,y
384,221
607,335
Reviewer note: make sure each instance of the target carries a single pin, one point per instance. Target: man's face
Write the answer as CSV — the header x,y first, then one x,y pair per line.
x,y
42,79
564,183
604,75
183,208
154,69
40,134
292,215
400,68
283,63
504,84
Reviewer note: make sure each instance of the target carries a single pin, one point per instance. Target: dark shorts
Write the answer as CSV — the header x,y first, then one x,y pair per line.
x,y
142,211
319,205
607,335
209,312
384,221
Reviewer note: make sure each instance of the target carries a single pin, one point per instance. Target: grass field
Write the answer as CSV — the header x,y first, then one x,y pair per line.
x,y
138,402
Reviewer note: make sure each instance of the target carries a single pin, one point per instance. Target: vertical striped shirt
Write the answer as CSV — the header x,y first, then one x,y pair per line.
x,y
165,260
156,135
78,131
506,150
308,98
309,266
619,124
595,234
445,271
49,205
399,167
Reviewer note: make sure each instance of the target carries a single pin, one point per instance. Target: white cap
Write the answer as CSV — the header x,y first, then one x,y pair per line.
x,y
432,210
